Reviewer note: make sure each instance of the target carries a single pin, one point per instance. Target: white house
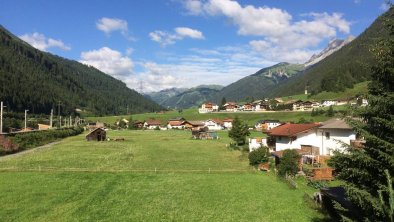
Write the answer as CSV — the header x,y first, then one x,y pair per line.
x,y
208,108
214,124
332,133
231,107
328,103
255,143
228,123
267,124
152,124
325,137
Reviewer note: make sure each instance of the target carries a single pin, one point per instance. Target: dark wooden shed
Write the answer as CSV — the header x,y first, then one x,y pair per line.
x,y
98,134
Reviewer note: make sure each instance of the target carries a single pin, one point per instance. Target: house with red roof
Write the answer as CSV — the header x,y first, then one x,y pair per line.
x,y
208,108
214,124
176,123
294,136
323,137
228,123
152,124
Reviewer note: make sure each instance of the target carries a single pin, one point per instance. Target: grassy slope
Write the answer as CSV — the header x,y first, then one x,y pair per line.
x,y
126,196
358,89
192,114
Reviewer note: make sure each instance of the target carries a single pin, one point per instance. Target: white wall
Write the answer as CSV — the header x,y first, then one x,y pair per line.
x,y
213,126
337,137
307,138
318,138
253,144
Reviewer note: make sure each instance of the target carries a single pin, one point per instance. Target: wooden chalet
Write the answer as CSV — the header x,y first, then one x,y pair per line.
x,y
98,134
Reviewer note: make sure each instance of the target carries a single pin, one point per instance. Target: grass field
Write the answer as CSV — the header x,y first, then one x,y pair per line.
x,y
77,180
192,114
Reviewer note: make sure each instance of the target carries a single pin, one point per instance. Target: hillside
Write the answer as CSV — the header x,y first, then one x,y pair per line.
x,y
193,97
165,94
36,80
343,68
259,84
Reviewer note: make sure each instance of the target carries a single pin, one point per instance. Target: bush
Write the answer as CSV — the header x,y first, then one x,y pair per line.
x,y
289,163
39,138
258,156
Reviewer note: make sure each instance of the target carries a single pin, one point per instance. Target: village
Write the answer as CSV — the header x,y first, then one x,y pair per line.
x,y
277,104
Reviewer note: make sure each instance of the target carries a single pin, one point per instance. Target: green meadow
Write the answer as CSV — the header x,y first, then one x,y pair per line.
x,y
192,114
150,176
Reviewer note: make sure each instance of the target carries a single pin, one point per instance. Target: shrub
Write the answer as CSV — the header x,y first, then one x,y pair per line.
x,y
258,156
289,163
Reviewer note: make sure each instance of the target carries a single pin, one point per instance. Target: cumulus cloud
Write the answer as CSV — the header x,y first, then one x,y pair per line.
x,y
39,41
279,33
109,61
167,38
109,25
188,32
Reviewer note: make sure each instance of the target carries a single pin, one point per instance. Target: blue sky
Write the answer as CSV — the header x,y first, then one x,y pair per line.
x,y
185,43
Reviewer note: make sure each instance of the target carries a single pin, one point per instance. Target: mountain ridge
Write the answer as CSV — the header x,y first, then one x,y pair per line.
x,y
48,80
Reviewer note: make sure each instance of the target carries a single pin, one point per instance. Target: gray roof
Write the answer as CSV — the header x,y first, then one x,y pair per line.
x,y
335,124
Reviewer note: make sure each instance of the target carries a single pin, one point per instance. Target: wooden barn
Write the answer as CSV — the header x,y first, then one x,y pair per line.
x,y
98,134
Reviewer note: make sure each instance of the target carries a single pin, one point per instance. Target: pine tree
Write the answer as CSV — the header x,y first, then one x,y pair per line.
x,y
239,131
366,172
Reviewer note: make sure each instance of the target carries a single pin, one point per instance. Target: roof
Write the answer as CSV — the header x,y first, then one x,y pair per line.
x,y
99,128
176,123
196,123
228,120
291,129
335,124
153,122
218,121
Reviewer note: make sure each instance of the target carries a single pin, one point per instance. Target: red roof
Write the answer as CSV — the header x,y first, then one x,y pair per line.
x,y
290,129
176,123
218,121
153,122
228,120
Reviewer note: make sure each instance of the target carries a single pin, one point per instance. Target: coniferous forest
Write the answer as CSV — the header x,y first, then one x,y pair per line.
x,y
39,81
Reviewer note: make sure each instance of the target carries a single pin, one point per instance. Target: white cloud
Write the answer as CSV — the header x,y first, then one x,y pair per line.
x,y
166,38
109,25
188,32
109,61
194,7
280,35
39,41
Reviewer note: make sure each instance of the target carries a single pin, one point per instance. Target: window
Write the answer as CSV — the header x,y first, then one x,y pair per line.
x,y
327,135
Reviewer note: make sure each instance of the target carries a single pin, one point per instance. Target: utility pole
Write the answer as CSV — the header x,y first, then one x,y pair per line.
x,y
26,110
51,119
1,117
59,118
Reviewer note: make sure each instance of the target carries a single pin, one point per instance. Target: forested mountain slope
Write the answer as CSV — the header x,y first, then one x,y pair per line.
x,y
38,81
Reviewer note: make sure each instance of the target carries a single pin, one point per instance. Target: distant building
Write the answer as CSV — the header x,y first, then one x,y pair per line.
x,y
327,103
152,124
214,124
267,124
228,123
43,127
208,108
231,107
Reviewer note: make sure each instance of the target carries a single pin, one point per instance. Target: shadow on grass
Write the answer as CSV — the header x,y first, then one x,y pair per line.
x,y
325,216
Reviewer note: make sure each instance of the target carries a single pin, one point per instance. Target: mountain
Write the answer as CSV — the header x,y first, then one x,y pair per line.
x,y
342,69
332,47
192,97
259,84
38,81
165,94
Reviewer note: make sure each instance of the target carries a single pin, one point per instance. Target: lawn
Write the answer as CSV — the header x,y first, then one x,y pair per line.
x,y
192,114
77,180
